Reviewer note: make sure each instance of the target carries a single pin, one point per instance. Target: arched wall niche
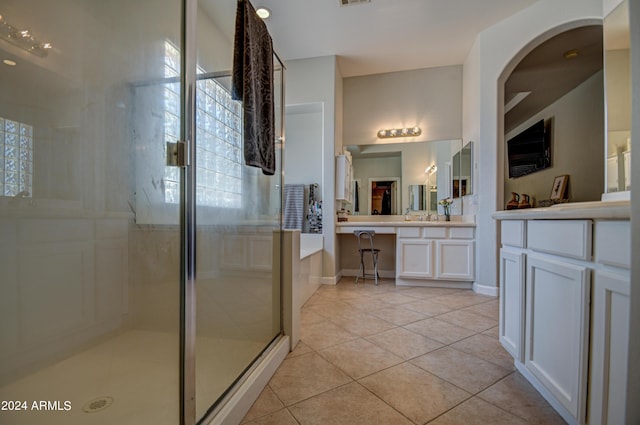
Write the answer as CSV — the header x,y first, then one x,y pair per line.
x,y
502,79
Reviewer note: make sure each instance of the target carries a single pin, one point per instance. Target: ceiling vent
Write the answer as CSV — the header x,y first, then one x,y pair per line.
x,y
352,2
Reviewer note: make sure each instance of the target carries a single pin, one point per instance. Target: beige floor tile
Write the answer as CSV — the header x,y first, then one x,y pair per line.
x,y
404,343
489,309
266,403
359,358
366,303
517,396
487,348
395,298
324,334
492,332
362,324
443,332
299,349
425,292
304,376
348,405
327,308
415,393
281,417
398,315
462,299
427,307
309,316
477,412
469,320
464,370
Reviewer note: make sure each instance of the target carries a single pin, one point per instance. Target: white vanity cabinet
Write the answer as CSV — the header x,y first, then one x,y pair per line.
x,y
610,323
564,312
344,177
512,287
435,255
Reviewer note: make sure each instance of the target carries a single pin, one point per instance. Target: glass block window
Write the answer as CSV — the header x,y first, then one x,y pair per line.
x,y
16,158
218,139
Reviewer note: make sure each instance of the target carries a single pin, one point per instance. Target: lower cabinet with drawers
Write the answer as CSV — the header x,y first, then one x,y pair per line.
x,y
436,256
564,312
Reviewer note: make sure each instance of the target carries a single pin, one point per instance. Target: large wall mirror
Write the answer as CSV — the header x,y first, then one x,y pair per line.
x,y
617,69
421,171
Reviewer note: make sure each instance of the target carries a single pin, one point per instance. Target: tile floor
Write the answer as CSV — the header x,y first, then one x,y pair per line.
x,y
399,355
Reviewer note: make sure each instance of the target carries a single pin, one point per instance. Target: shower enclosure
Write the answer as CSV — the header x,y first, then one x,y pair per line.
x,y
131,291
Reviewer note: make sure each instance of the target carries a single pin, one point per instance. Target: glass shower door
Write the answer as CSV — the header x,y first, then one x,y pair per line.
x,y
238,223
89,213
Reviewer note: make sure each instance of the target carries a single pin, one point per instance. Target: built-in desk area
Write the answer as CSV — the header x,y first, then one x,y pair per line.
x,y
427,253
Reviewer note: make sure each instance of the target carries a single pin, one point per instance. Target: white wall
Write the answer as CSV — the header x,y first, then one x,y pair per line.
x,y
316,81
430,98
492,57
303,147
633,382
577,130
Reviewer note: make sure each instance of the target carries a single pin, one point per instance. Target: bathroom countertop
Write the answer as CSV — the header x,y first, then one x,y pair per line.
x,y
608,210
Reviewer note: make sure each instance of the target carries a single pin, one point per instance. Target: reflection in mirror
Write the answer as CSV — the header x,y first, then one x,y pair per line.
x,y
461,172
617,70
418,197
410,161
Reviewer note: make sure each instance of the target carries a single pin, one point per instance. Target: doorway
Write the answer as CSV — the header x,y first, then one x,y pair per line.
x,y
383,195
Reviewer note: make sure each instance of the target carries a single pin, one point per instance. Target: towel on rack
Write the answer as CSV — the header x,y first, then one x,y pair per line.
x,y
252,83
293,206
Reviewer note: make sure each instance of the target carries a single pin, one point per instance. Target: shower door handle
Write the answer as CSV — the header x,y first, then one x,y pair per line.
x,y
177,154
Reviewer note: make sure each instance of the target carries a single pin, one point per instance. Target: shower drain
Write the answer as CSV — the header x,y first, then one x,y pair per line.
x,y
97,404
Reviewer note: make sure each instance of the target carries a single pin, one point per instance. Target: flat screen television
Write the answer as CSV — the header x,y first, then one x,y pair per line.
x,y
529,151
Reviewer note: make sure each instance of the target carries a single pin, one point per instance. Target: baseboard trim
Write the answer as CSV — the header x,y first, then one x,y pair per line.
x,y
492,291
239,403
385,274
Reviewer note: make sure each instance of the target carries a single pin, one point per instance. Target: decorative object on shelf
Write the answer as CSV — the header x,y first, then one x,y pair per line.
x,y
514,202
524,203
446,206
314,211
550,202
399,132
342,216
559,188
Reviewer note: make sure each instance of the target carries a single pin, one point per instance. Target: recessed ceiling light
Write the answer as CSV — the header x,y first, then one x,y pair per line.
x,y
571,54
9,62
263,12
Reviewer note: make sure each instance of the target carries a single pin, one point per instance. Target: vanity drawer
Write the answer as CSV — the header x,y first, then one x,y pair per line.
x,y
408,232
434,232
569,238
461,232
512,233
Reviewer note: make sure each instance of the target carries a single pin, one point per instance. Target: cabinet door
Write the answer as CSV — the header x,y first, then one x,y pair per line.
x,y
557,329
455,260
610,333
415,258
512,302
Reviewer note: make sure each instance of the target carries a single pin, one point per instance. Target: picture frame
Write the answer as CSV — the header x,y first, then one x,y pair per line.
x,y
559,187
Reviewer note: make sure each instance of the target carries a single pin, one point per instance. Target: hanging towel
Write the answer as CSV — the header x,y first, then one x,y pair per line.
x,y
252,83
293,206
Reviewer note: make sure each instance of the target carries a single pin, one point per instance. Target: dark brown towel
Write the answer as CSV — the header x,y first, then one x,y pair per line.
x,y
252,83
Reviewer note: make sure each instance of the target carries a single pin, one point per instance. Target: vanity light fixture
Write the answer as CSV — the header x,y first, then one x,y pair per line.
x,y
23,38
399,132
571,54
430,170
